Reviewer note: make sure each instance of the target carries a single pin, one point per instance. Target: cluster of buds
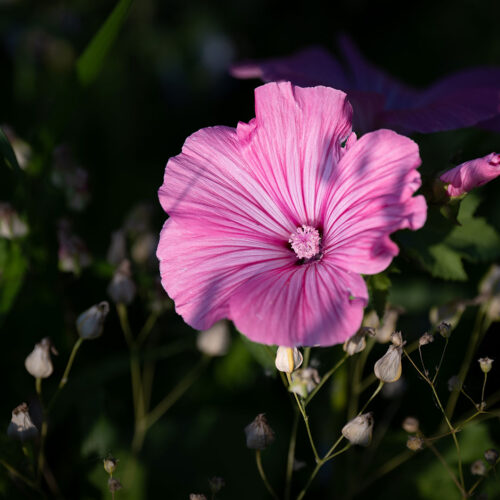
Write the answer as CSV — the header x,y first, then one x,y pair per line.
x,y
216,340
359,429
21,427
288,359
11,225
388,367
258,433
122,288
39,363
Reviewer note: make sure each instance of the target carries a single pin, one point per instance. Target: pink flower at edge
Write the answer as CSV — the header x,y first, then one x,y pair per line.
x,y
272,223
471,174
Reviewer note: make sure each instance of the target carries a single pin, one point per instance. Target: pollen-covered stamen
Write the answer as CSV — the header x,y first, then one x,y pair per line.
x,y
305,242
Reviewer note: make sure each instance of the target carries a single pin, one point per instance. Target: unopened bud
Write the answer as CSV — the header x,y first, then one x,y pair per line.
x,y
288,359
356,343
411,425
485,364
38,363
110,464
122,288
444,329
216,340
388,367
216,484
114,484
11,225
197,496
304,381
259,434
491,456
478,468
90,323
359,429
454,383
425,339
397,339
414,443
21,427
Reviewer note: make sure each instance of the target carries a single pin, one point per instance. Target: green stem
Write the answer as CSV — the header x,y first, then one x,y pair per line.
x,y
14,472
124,322
269,488
71,359
377,390
307,357
484,387
440,361
146,329
291,455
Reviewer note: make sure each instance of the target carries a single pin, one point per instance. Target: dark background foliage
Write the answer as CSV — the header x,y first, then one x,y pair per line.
x,y
165,77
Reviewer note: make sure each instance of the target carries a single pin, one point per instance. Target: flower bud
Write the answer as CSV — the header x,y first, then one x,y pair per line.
x,y
259,434
21,427
388,367
288,359
38,363
411,425
359,429
485,364
478,468
216,340
122,288
110,464
304,381
414,443
356,343
11,225
90,323
216,484
397,339
114,484
425,339
444,329
491,456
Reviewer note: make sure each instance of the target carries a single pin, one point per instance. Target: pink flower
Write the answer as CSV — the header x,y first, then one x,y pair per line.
x,y
272,223
471,174
470,97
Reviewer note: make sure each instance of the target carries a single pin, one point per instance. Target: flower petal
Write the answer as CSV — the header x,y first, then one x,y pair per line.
x,y
312,304
371,198
294,143
200,271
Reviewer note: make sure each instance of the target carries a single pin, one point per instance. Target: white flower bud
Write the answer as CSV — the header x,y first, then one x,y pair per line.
x,y
491,456
414,443
304,381
11,225
259,434
485,364
355,344
110,464
38,363
425,339
478,468
288,359
21,427
216,340
359,429
388,367
411,425
122,288
90,323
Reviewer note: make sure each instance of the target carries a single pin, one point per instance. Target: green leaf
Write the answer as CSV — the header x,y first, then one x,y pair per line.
x,y
13,266
90,62
445,263
378,286
7,154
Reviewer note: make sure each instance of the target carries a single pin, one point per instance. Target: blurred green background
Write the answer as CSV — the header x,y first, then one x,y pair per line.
x,y
166,76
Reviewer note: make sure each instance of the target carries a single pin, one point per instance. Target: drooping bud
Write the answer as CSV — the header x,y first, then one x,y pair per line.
x,y
304,381
491,456
359,429
411,425
11,225
21,427
356,343
414,443
216,484
114,484
259,434
122,288
38,363
288,359
478,468
388,367
90,323
425,339
485,364
110,464
216,340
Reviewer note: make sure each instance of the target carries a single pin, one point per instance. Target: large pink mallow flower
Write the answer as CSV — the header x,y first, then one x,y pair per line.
x,y
463,99
272,223
471,174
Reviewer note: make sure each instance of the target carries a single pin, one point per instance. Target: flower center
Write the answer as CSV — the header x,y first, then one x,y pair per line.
x,y
305,242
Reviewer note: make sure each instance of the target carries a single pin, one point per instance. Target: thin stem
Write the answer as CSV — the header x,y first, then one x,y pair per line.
x,y
258,459
124,322
14,472
146,329
330,457
377,390
291,455
484,387
468,397
71,359
426,371
324,379
440,361
307,356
